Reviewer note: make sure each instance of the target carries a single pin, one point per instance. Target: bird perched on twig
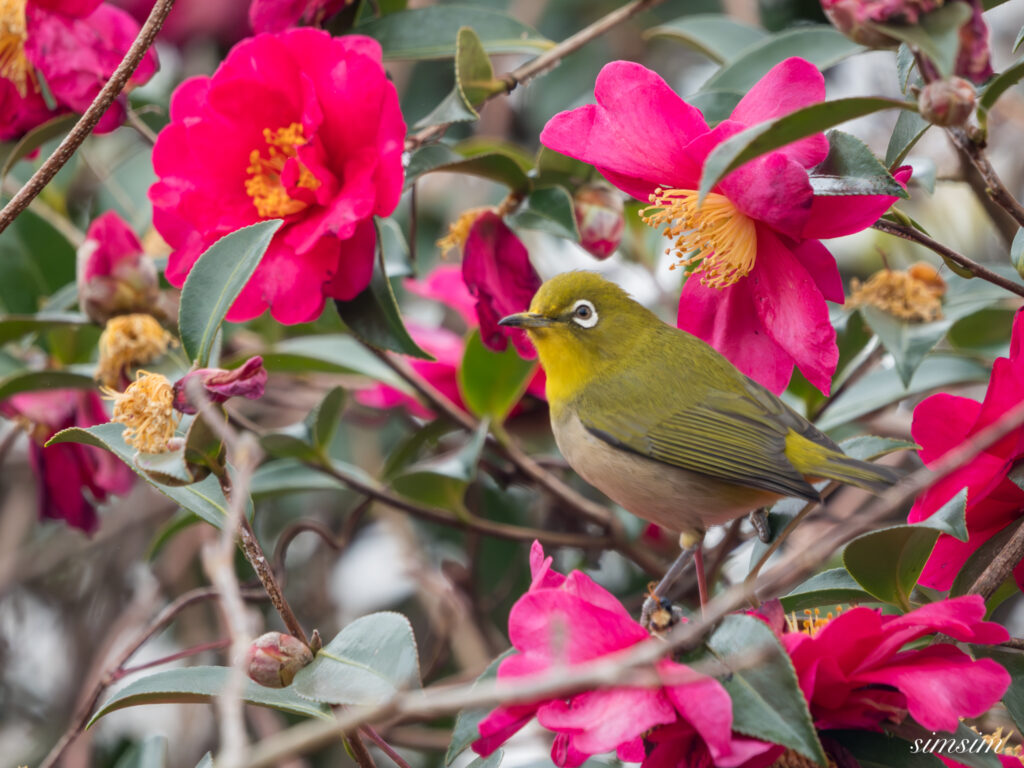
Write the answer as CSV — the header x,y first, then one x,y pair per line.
x,y
662,423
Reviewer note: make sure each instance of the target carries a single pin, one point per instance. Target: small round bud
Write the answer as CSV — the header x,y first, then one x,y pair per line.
x,y
947,102
599,218
274,659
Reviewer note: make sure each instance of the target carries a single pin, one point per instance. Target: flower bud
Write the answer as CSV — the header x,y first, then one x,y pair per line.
x,y
857,18
114,276
248,381
599,218
274,659
947,102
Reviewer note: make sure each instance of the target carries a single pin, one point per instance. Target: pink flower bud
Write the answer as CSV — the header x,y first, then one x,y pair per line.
x,y
974,60
855,18
274,659
248,381
114,276
599,218
947,102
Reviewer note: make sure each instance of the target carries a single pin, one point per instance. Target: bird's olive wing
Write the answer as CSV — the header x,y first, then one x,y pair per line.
x,y
731,436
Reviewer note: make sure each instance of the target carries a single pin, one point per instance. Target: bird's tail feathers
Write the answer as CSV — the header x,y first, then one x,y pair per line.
x,y
870,477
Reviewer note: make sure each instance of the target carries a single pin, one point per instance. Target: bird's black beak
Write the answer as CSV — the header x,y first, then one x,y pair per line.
x,y
526,320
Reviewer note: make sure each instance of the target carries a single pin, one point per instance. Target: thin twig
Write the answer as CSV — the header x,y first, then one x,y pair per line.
x,y
909,233
1002,565
384,747
359,751
995,188
92,115
193,651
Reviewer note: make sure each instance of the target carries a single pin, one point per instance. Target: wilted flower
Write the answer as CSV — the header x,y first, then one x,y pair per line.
x,y
458,230
299,126
947,102
73,46
73,478
914,295
248,381
114,276
278,15
599,219
273,659
128,341
146,408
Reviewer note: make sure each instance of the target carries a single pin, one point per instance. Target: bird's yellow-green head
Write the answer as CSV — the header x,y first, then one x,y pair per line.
x,y
584,326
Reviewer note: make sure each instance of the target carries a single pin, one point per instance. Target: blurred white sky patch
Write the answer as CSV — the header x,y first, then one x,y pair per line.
x,y
371,574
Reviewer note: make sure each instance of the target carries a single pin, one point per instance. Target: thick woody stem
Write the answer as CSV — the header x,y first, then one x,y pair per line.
x,y
1001,567
994,186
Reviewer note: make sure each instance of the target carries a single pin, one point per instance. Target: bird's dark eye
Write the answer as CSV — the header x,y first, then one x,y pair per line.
x,y
584,314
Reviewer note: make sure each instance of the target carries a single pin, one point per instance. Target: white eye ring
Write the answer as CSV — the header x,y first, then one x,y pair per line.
x,y
584,314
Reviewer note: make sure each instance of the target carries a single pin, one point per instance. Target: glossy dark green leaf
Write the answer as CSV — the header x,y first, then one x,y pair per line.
x,y
549,209
367,663
909,128
15,326
151,752
766,700
474,75
453,108
12,152
427,158
168,468
490,382
768,136
937,36
201,684
322,421
851,168
822,45
430,33
555,168
441,481
31,381
999,85
1013,662
204,498
215,281
292,443
828,588
717,36
374,317
494,166
883,750
887,563
467,729
36,261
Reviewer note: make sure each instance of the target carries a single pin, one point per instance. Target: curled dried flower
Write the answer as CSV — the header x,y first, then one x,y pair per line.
x,y
914,295
146,409
128,341
248,381
458,230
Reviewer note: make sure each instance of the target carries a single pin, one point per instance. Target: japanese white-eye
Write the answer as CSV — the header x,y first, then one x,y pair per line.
x,y
661,422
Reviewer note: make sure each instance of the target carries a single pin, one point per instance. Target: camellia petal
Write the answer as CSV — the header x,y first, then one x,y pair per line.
x,y
838,215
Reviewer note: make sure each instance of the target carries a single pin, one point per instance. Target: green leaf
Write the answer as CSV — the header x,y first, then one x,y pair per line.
x,y
715,35
467,724
490,382
1013,661
1019,40
15,326
766,699
950,518
883,750
441,481
323,420
716,106
474,75
288,476
996,88
373,315
204,498
822,45
871,447
851,168
367,663
430,33
214,283
168,468
204,451
150,753
1017,252
32,381
937,36
909,128
883,387
11,153
555,168
494,166
828,588
905,64
491,761
201,684
182,519
549,209
768,136
453,108
329,353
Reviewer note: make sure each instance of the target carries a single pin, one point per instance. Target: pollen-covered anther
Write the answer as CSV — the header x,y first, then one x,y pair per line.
x,y
128,341
14,65
812,622
147,412
914,295
458,231
265,185
712,236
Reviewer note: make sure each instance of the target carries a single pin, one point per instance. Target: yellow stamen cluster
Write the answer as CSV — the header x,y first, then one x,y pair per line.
x,y
792,759
265,188
146,409
914,295
812,622
713,236
458,231
14,66
998,743
128,341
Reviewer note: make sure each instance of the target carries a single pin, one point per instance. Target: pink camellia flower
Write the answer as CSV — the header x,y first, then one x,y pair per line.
x,y
114,276
445,285
856,671
67,470
223,21
570,620
760,276
247,380
278,15
941,423
299,126
72,45
496,268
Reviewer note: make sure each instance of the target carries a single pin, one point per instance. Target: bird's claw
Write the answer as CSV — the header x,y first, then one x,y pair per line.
x,y
759,519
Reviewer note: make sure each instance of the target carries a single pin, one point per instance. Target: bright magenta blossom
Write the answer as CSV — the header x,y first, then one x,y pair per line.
x,y
856,671
72,45
941,423
278,15
114,276
299,126
760,281
570,620
445,285
73,478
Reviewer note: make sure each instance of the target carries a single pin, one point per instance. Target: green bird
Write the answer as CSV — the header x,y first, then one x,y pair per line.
x,y
661,422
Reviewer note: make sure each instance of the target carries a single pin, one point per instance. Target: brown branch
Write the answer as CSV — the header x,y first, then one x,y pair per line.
x,y
1002,565
92,115
909,233
384,747
994,186
193,651
359,751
